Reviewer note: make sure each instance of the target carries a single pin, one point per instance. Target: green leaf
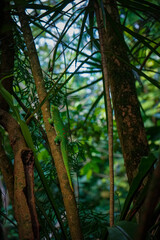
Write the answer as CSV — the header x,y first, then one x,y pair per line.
x,y
122,231
130,228
142,39
56,9
144,167
89,174
94,41
86,86
91,21
65,29
143,6
82,30
141,73
50,223
51,91
94,105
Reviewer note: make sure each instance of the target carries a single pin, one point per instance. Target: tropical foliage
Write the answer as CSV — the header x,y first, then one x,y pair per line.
x,y
67,43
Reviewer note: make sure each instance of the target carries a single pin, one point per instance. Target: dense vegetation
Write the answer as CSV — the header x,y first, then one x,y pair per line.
x,y
98,62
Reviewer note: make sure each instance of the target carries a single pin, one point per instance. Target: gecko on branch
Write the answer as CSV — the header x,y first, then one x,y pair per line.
x,y
61,138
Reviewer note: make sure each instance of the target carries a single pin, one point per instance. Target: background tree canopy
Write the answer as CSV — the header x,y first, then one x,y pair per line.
x,y
98,62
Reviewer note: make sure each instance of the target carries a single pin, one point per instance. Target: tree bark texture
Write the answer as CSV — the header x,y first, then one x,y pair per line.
x,y
24,205
110,126
7,49
7,172
68,195
6,69
122,83
151,202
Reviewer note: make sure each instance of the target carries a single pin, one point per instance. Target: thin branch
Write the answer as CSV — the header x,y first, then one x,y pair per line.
x,y
101,30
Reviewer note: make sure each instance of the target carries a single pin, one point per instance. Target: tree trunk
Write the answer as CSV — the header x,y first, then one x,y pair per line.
x,y
67,193
20,191
6,69
119,74
24,203
7,50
